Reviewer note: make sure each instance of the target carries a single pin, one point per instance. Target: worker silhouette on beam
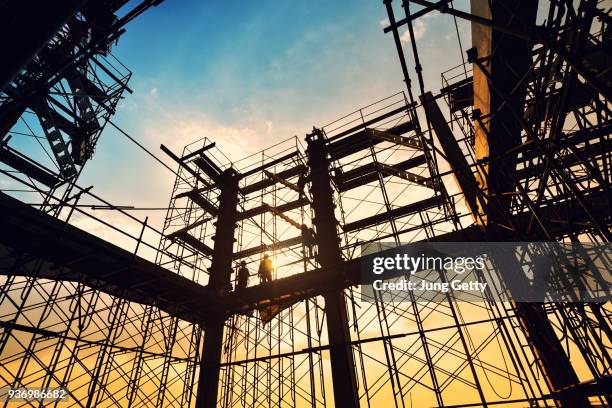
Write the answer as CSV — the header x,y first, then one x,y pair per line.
x,y
243,276
265,269
308,239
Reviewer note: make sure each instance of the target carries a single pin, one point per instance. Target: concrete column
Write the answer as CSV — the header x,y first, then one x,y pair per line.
x,y
329,256
507,59
220,275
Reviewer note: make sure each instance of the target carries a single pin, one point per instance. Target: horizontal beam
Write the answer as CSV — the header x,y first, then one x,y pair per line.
x,y
203,203
184,165
369,122
198,152
368,173
270,164
406,175
192,241
387,216
285,174
393,138
70,254
317,282
31,238
282,181
268,247
292,205
362,140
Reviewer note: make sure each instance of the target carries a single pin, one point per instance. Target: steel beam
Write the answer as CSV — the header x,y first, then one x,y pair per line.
x,y
198,151
184,165
65,253
369,173
361,140
25,27
267,182
387,216
255,211
454,156
275,246
413,142
316,282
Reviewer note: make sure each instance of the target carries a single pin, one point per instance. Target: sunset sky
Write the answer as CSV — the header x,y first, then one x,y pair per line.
x,y
247,74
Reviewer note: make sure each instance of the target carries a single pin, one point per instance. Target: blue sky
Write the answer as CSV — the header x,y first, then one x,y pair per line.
x,y
247,74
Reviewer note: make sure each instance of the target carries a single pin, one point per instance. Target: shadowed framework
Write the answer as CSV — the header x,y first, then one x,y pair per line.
x,y
515,147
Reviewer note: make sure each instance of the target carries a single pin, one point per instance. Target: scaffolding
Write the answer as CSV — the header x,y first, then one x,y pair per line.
x,y
510,149
54,108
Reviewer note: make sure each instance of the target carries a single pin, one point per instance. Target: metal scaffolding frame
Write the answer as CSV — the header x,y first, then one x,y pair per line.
x,y
530,163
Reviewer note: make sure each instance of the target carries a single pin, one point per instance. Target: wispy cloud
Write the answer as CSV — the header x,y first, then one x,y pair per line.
x,y
285,78
419,28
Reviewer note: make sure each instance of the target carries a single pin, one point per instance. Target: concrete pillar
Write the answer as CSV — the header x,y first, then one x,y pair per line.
x,y
329,256
507,59
220,275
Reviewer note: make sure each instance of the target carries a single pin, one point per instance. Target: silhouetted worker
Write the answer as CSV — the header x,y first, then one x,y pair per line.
x,y
243,276
301,183
265,269
308,238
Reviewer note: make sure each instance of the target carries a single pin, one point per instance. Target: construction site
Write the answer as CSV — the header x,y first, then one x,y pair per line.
x,y
511,145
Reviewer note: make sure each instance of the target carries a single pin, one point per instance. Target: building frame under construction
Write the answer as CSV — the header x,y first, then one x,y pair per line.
x,y
514,147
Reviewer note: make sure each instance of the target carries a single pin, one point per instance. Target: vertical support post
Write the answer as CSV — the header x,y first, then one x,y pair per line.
x,y
507,60
329,256
558,370
220,274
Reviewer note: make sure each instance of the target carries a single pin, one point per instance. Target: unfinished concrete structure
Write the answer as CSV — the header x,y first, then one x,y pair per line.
x,y
514,147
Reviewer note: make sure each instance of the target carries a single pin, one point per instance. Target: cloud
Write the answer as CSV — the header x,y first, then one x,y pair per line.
x,y
419,28
248,102
176,125
183,129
